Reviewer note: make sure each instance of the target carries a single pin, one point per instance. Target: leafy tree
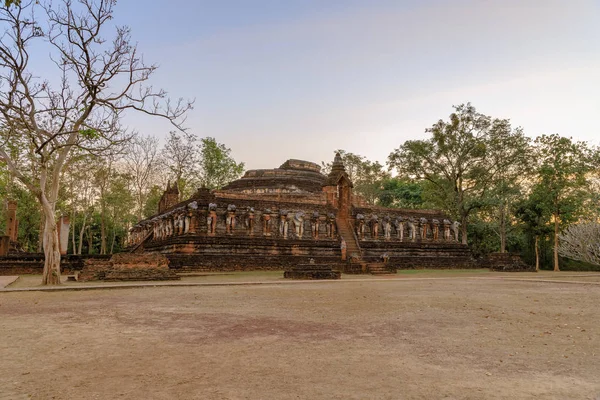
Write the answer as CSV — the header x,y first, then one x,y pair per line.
x,y
101,78
120,204
401,193
562,172
217,167
152,200
453,160
509,152
534,212
458,160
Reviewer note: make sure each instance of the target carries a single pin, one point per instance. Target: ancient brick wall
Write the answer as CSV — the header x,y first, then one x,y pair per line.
x,y
33,263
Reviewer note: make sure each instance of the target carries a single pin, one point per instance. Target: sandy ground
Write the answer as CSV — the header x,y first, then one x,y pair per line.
x,y
459,338
8,280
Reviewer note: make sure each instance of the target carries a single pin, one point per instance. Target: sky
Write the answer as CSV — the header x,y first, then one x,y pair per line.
x,y
280,79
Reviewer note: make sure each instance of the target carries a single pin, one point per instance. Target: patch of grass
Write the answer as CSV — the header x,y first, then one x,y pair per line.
x,y
443,271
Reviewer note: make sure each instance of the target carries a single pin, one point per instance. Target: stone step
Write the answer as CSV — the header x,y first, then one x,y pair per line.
x,y
378,269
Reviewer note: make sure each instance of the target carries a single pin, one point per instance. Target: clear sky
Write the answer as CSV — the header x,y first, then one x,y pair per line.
x,y
279,79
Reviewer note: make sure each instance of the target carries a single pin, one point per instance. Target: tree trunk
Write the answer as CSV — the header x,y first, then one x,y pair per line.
x,y
81,231
537,254
114,237
73,230
51,274
502,230
40,247
556,268
102,225
463,229
90,239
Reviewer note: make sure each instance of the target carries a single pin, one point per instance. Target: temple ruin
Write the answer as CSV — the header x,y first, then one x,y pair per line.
x,y
282,217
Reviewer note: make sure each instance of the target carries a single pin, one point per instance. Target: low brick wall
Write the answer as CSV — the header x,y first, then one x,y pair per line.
x,y
506,262
231,253
419,254
33,263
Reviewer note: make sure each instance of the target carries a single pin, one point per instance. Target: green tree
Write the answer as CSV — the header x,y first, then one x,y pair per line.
x,y
217,167
152,200
510,158
535,213
562,173
453,160
458,160
120,203
401,193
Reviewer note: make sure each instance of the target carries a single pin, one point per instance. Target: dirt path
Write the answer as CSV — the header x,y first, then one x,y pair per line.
x,y
413,339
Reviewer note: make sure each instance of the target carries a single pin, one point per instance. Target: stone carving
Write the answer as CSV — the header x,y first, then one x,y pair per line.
x,y
374,225
435,225
267,223
192,218
179,222
298,220
455,226
230,219
447,225
387,227
360,226
283,223
423,223
385,257
330,225
211,220
399,225
249,221
315,221
412,229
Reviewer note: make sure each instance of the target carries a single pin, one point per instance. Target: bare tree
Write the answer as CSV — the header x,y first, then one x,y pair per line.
x,y
181,155
142,164
98,80
581,242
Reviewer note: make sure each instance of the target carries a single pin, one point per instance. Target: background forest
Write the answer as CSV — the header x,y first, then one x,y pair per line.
x,y
537,197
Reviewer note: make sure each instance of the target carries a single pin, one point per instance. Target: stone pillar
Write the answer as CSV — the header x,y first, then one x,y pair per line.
x,y
64,224
12,226
4,245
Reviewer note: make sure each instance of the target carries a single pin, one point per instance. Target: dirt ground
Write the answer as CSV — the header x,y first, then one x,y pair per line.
x,y
411,338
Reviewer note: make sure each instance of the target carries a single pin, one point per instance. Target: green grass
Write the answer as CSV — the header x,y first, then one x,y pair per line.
x,y
444,272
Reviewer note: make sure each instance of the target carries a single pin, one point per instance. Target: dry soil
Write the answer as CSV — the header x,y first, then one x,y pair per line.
x,y
459,338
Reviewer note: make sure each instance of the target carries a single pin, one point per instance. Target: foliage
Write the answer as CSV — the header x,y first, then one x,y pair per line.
x,y
152,200
401,193
459,160
562,173
217,167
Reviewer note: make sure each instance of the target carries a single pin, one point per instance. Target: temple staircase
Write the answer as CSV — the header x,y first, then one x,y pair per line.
x,y
138,248
347,233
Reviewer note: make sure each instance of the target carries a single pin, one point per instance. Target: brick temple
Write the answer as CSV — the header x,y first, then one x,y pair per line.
x,y
294,214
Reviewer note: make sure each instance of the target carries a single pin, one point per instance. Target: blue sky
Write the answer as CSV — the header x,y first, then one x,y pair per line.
x,y
298,79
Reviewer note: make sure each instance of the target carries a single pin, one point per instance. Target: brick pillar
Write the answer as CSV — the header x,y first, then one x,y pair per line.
x,y
64,224
12,226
